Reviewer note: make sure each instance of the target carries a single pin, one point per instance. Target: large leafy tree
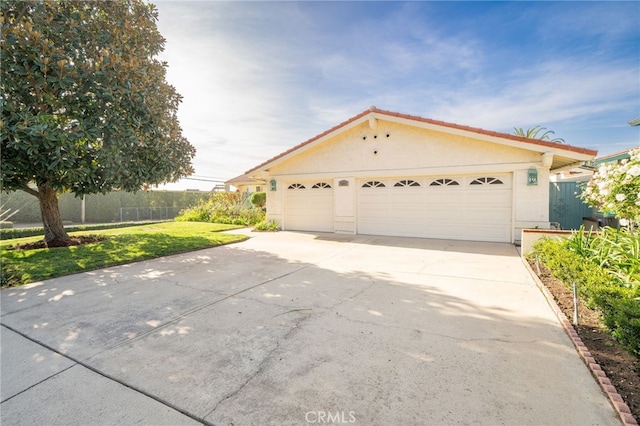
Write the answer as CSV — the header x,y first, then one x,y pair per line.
x,y
537,132
85,104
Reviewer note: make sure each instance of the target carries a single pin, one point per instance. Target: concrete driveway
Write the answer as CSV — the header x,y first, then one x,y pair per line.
x,y
296,328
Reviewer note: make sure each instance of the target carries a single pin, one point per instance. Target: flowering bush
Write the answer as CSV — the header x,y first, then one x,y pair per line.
x,y
223,207
615,188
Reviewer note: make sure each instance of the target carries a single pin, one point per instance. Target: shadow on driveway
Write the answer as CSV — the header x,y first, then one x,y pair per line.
x,y
297,328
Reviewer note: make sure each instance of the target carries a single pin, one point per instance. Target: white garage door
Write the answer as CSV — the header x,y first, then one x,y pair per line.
x,y
458,207
309,206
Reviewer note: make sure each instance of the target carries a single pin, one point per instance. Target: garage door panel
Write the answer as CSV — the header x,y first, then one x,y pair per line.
x,y
308,208
481,211
490,216
496,198
374,228
485,232
444,233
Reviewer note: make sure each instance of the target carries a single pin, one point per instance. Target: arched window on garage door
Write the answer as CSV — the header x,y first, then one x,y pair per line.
x,y
296,186
444,182
406,182
321,185
487,181
373,184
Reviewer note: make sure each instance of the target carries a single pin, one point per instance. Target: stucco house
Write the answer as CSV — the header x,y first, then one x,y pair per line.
x,y
245,183
387,173
585,172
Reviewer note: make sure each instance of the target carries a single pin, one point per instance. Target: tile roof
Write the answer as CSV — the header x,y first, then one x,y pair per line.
x,y
613,156
381,112
245,178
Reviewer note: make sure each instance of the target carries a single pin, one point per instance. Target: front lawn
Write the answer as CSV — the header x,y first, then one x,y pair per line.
x,y
120,246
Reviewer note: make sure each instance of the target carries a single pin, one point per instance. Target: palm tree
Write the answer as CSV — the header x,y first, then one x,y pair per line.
x,y
533,133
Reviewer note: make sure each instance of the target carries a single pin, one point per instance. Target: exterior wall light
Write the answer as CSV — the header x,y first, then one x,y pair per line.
x,y
532,176
273,185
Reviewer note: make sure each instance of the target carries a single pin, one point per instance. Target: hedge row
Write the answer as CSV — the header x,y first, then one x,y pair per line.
x,y
101,208
618,304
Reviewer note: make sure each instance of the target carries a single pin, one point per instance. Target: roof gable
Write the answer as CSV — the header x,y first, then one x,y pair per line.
x,y
564,155
244,179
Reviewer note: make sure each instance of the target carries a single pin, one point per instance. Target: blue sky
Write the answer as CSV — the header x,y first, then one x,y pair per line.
x,y
260,77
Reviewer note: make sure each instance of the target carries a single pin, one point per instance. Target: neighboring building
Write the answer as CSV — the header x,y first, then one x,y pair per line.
x,y
386,173
245,183
616,157
220,188
565,206
579,174
584,172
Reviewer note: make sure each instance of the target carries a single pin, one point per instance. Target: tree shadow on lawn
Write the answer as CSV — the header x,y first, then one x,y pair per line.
x,y
98,251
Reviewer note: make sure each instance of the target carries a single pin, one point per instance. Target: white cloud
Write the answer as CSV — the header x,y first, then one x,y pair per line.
x,y
549,92
258,78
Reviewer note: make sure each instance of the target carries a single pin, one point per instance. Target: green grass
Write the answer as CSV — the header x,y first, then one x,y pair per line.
x,y
7,234
124,245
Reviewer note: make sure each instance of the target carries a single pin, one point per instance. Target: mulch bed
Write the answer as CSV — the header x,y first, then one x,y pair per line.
x,y
622,368
73,241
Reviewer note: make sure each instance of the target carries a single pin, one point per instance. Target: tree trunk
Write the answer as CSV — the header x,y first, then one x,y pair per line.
x,y
54,233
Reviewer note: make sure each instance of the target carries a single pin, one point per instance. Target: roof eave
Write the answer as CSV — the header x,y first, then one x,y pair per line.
x,y
563,150
310,143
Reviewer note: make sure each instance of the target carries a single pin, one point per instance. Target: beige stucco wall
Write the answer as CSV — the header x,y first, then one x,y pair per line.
x,y
530,236
242,187
412,151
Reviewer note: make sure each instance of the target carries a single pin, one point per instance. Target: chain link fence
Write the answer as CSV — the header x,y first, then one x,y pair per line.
x,y
135,214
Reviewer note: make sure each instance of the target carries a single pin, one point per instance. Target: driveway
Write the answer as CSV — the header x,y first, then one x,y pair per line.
x,y
296,328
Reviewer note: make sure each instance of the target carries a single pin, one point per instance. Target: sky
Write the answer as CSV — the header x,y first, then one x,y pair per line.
x,y
260,77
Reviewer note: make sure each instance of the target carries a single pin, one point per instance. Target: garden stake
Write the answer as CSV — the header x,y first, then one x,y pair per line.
x,y
538,265
575,304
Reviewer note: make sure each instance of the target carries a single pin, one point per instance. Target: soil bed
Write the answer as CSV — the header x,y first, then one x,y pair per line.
x,y
622,368
74,241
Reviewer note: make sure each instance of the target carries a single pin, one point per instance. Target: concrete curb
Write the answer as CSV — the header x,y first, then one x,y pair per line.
x,y
605,384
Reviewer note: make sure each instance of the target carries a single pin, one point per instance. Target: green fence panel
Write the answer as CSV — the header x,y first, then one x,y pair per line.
x,y
104,208
564,205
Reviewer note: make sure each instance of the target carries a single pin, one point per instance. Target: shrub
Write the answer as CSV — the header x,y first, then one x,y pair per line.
x,y
615,250
199,213
264,225
617,301
223,207
258,199
620,308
